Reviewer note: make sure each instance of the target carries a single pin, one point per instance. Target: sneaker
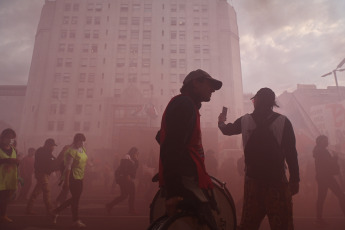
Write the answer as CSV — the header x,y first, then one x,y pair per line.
x,y
5,219
78,224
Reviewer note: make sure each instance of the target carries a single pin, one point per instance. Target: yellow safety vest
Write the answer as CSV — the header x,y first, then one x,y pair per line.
x,y
8,172
79,162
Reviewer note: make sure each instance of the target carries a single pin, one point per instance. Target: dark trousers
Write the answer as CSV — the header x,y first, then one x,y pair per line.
x,y
323,186
62,195
26,187
76,188
4,199
127,188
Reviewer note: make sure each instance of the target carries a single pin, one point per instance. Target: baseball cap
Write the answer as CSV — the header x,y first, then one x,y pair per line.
x,y
50,142
266,95
202,74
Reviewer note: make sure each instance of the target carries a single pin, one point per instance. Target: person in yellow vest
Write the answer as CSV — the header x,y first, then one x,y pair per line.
x,y
75,162
8,171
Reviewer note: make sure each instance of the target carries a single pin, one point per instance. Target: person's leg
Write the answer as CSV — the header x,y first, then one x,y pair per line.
x,y
131,193
25,189
62,196
279,207
123,195
34,194
4,198
335,188
321,197
253,211
76,187
46,193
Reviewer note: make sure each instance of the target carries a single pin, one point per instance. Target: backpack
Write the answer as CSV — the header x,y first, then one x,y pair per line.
x,y
264,158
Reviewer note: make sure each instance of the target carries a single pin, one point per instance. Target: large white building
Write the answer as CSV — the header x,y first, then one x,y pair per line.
x,y
108,68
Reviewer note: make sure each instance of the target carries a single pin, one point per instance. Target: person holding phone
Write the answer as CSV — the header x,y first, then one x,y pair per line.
x,y
268,142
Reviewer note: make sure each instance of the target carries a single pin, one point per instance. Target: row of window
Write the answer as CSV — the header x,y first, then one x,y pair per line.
x,y
97,7
78,126
63,93
83,78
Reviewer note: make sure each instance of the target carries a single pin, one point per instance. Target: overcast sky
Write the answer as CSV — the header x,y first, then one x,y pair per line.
x,y
283,43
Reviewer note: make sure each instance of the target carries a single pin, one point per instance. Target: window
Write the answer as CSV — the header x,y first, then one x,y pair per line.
x,y
62,109
70,48
87,34
95,34
123,21
66,77
74,20
182,49
196,21
134,34
120,62
80,92
182,63
173,34
206,49
91,78
134,49
182,21
98,7
76,126
65,20
117,93
67,7
146,49
182,35
90,6
59,62
182,7
135,21
88,109
197,49
204,8
145,78
124,7
55,93
204,21
133,63
119,78
121,48
173,21
75,7
173,8
136,7
196,8
97,20
61,47
147,21
147,34
196,35
146,63
88,20
123,34
72,34
93,62
89,93
51,125
57,77
64,93
147,7
204,35
68,62
63,34
173,78
82,77
94,48
60,125
132,78
173,49
53,109
173,63
85,48
83,62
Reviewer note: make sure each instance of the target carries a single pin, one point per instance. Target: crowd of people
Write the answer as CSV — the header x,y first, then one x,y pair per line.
x,y
184,169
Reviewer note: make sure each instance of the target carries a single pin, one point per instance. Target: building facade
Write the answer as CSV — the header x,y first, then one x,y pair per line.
x,y
103,67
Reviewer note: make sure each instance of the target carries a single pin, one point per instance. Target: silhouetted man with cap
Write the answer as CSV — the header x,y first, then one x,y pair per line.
x,y
268,142
182,173
44,166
